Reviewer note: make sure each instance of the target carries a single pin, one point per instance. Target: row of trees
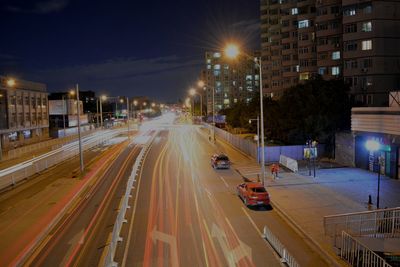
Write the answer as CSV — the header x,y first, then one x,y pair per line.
x,y
314,110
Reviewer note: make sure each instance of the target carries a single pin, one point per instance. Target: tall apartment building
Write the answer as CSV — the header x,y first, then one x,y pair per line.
x,y
354,39
371,38
24,112
233,80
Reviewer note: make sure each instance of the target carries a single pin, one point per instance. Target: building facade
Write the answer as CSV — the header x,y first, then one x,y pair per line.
x,y
232,80
382,125
24,115
355,40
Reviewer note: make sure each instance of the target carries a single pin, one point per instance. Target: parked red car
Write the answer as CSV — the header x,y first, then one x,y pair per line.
x,y
253,194
220,161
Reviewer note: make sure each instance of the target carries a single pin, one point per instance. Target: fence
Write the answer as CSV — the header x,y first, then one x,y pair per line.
x,y
384,223
53,143
286,257
115,236
21,171
272,153
289,163
356,254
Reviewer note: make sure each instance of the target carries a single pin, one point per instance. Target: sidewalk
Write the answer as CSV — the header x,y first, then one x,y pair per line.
x,y
305,200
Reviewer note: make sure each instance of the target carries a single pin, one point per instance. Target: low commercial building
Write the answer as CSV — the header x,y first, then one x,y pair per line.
x,y
24,116
63,117
381,125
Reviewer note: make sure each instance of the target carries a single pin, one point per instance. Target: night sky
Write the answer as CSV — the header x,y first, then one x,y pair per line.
x,y
121,47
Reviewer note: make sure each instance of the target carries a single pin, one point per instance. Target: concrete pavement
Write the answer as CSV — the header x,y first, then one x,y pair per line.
x,y
304,200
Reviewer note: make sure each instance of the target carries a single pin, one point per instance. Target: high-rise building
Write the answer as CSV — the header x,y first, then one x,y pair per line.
x,y
233,80
371,39
356,40
24,112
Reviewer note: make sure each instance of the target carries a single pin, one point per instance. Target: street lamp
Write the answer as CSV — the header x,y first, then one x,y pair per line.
x,y
193,92
79,125
233,51
11,82
374,146
201,84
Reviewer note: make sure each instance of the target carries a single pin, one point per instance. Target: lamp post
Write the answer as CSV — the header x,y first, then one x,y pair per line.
x,y
374,146
193,92
78,114
233,51
10,83
201,84
258,135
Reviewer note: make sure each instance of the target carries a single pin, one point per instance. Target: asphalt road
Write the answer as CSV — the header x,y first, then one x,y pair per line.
x,y
187,214
79,238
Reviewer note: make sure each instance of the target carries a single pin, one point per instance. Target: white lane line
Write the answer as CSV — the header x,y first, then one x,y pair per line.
x,y
208,192
251,221
223,180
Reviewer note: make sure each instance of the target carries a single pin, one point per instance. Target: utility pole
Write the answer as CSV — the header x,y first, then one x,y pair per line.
x,y
79,128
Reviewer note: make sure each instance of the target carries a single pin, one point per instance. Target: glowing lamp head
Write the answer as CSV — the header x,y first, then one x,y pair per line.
x,y
121,100
135,102
372,145
232,51
192,91
72,92
153,104
200,84
103,97
10,82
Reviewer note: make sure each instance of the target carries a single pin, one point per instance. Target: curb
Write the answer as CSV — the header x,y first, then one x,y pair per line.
x,y
331,260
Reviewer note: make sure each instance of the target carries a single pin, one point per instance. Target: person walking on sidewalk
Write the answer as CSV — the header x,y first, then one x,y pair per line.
x,y
275,170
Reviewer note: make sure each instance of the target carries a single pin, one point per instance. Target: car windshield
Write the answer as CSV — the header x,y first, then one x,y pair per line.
x,y
222,158
258,189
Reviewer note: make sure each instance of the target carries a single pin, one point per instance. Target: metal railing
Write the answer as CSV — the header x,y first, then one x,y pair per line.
x,y
124,205
356,254
21,171
286,257
383,223
20,151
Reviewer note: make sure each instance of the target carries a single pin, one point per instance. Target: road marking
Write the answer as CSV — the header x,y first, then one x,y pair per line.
x,y
133,212
169,239
223,180
76,239
251,221
233,256
208,192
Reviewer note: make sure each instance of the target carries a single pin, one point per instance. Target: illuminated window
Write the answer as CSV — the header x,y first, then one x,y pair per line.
x,y
366,45
322,71
304,23
226,101
336,55
367,26
217,67
304,76
294,11
335,71
217,55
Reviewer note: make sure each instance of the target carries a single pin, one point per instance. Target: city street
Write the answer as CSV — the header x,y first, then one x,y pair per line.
x,y
186,213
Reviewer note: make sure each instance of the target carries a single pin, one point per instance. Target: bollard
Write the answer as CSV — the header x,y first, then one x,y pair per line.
x,y
369,200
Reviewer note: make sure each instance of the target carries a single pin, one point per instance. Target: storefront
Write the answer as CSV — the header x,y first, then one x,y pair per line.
x,y
380,125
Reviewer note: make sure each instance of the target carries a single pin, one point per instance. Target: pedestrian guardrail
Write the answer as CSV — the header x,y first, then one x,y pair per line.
x,y
21,171
289,163
20,151
382,223
356,254
124,205
286,257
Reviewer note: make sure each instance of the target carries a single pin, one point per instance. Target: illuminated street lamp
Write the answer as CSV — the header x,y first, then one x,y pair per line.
x,y
201,84
153,105
374,146
232,51
193,92
11,82
79,125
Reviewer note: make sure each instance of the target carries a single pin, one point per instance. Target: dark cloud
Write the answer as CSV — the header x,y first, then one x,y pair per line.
x,y
165,78
252,26
37,7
